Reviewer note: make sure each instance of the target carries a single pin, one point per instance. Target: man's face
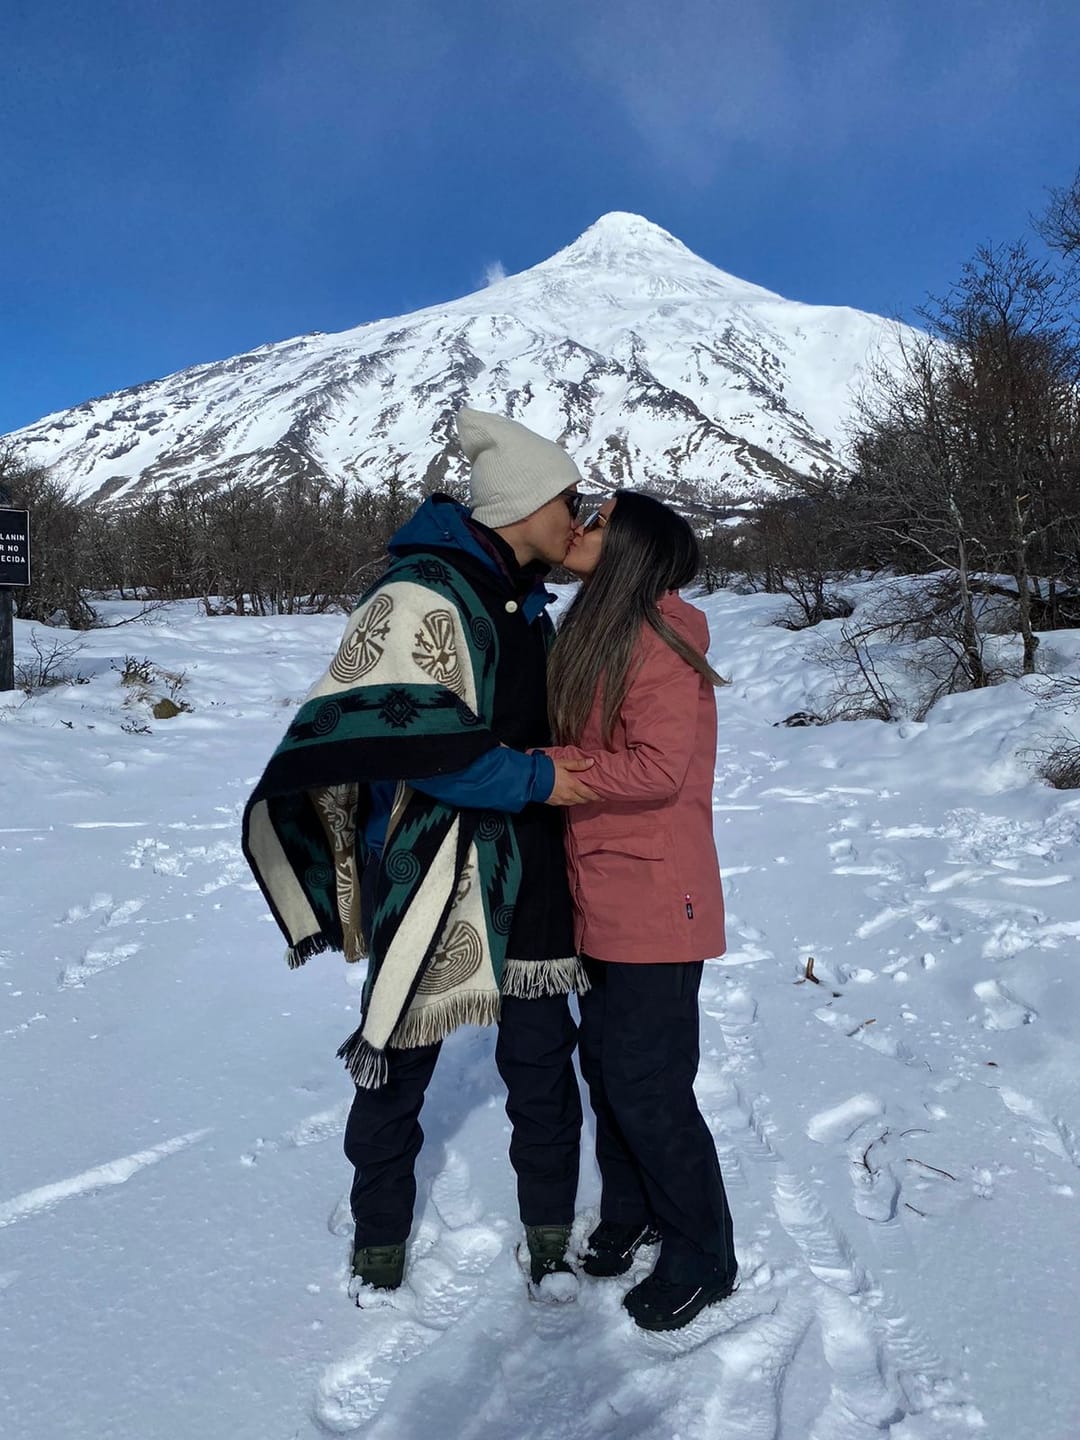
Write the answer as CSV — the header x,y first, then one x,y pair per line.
x,y
547,533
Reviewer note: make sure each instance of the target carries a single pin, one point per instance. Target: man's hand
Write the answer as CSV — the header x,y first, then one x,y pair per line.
x,y
569,790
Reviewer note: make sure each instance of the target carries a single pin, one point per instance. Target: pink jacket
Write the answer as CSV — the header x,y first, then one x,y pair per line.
x,y
643,867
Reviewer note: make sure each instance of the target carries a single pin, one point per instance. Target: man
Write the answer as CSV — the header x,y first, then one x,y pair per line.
x,y
403,815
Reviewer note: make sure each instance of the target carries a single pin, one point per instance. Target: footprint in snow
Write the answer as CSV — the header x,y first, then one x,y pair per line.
x,y
95,959
866,1032
351,1392
735,1008
315,1129
824,1247
865,1388
1049,1131
312,1130
890,915
445,1282
739,1121
883,1370
840,1122
101,955
452,1194
340,1220
1004,1011
444,1276
873,1179
122,913
753,1360
100,900
750,950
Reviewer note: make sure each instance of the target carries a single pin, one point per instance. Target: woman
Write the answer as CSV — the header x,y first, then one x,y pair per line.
x,y
630,689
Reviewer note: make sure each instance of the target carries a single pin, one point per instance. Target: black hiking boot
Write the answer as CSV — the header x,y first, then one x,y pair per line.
x,y
658,1304
547,1251
380,1266
611,1247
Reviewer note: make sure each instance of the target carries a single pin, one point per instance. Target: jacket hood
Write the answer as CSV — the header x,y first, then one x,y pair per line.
x,y
686,619
440,523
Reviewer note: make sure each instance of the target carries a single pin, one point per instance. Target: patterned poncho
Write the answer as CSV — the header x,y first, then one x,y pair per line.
x,y
409,692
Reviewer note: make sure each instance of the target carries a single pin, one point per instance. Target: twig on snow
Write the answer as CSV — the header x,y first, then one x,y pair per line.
x,y
912,1161
861,1026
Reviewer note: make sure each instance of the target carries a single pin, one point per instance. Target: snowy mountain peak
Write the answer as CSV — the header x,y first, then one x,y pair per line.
x,y
624,246
653,367
619,231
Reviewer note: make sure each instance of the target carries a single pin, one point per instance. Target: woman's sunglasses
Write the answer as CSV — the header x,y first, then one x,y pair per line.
x,y
596,521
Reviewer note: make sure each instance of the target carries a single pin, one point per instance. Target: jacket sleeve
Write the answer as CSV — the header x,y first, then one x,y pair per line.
x,y
500,779
660,715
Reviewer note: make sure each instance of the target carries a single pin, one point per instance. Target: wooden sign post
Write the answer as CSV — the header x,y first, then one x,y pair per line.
x,y
14,571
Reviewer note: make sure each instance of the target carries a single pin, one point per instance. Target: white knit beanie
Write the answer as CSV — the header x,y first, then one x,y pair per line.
x,y
514,470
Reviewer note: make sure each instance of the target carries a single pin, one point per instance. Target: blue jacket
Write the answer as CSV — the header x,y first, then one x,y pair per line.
x,y
501,779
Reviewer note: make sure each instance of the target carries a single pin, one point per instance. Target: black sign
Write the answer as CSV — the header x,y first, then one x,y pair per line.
x,y
14,547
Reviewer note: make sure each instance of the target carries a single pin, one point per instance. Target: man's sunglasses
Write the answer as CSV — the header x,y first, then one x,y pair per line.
x,y
574,502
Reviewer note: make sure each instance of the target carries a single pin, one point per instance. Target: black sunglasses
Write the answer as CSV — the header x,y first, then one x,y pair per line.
x,y
573,502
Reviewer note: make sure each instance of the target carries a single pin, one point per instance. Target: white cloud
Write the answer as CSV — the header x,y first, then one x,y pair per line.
x,y
703,82
494,272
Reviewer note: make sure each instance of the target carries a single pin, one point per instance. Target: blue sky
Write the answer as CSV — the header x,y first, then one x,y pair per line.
x,y
186,180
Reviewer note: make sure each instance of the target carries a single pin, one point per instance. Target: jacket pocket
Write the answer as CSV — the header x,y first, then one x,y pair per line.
x,y
641,847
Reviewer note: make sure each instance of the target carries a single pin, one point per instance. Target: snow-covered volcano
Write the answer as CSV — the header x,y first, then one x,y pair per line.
x,y
653,367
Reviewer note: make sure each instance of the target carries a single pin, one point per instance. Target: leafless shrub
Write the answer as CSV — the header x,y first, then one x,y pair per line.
x,y
788,545
1058,692
135,671
51,664
173,682
154,686
809,611
918,630
860,691
1059,763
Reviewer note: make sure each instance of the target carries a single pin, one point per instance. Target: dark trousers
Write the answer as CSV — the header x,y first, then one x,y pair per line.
x,y
639,1055
534,1055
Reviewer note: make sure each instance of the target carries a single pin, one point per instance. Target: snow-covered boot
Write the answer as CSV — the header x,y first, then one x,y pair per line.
x,y
611,1247
547,1250
658,1304
380,1266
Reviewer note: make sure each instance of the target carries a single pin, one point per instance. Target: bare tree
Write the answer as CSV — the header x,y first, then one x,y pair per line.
x,y
57,536
967,455
1060,226
909,504
1015,361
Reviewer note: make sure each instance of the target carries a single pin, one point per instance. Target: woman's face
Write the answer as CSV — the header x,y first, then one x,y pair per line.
x,y
584,554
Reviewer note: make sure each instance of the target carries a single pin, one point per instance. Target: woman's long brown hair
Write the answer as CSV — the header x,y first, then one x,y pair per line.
x,y
648,550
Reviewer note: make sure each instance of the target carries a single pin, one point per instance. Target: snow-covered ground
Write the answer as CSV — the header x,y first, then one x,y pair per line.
x,y
900,1140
